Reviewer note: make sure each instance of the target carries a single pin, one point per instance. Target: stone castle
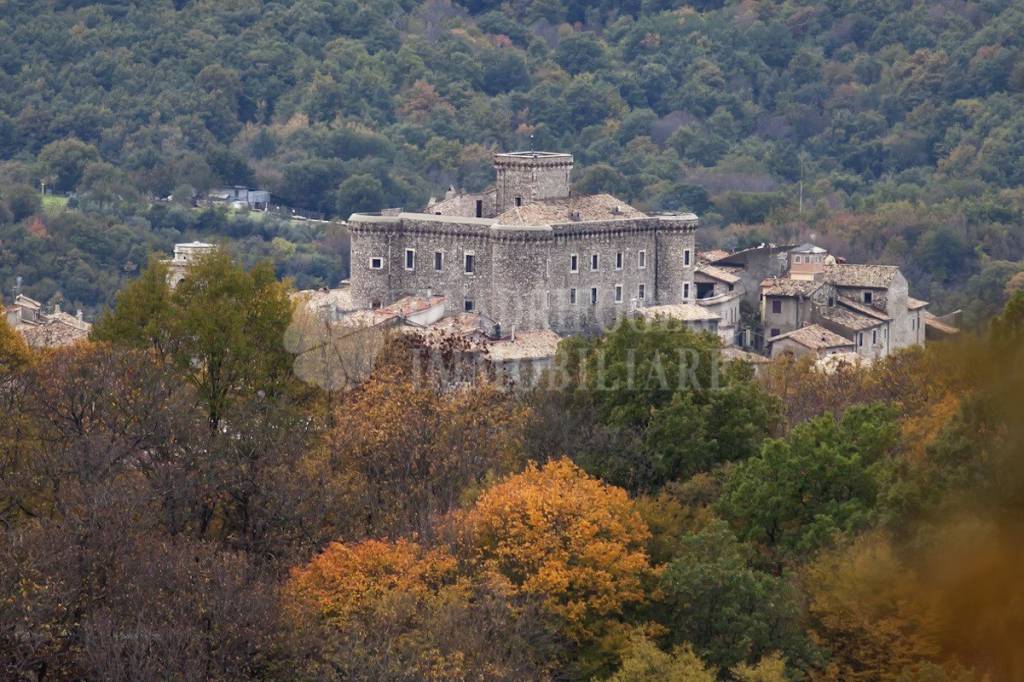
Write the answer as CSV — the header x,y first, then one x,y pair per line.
x,y
527,253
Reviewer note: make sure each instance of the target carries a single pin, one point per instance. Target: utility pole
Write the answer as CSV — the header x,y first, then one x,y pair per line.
x,y
801,184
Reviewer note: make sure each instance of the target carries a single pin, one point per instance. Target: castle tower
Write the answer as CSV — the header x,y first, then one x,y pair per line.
x,y
530,176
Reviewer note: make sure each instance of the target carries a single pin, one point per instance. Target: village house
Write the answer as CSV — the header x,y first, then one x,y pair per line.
x,y
43,329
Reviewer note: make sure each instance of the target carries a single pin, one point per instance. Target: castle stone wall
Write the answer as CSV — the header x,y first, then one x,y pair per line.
x,y
523,275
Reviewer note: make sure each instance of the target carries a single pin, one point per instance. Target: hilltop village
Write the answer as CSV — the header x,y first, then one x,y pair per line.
x,y
515,268
527,261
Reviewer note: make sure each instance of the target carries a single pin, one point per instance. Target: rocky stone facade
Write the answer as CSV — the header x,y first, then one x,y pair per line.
x,y
569,277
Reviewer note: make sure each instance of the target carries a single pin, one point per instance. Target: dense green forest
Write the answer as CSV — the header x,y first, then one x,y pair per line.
x,y
902,118
176,504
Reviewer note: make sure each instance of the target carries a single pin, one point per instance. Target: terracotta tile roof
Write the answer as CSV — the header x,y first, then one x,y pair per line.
x,y
687,312
718,273
733,353
568,210
814,337
531,345
326,299
938,325
712,255
851,319
410,305
783,286
863,308
55,333
867,276
916,303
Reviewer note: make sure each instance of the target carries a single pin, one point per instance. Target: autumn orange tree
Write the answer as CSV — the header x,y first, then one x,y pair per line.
x,y
397,610
577,544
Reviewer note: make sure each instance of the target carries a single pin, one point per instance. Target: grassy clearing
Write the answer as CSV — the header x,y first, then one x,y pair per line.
x,y
54,204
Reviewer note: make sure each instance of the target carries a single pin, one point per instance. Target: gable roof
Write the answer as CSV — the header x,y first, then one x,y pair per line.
x,y
784,286
808,247
863,308
814,337
717,273
687,312
865,276
569,209
850,319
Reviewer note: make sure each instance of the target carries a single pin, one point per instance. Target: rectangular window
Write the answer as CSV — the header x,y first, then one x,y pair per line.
x,y
618,293
593,296
410,259
479,208
641,259
776,307
376,263
438,261
640,292
686,257
773,333
467,305
574,263
831,301
470,263
618,261
593,262
572,296
860,339
686,291
519,201
867,297
874,337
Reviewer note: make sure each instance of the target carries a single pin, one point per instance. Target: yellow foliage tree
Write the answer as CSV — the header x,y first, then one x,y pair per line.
x,y
14,352
556,534
865,605
645,662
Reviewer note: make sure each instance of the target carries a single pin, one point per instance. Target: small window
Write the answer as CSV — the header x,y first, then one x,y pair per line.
x,y
618,293
776,307
686,256
640,292
574,263
376,263
519,201
410,259
867,297
593,296
860,339
798,259
572,296
686,291
593,262
479,208
641,259
467,305
470,263
874,337
831,301
773,333
618,261
438,261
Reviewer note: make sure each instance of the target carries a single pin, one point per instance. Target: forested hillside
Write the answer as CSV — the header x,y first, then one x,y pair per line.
x,y
176,503
903,118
